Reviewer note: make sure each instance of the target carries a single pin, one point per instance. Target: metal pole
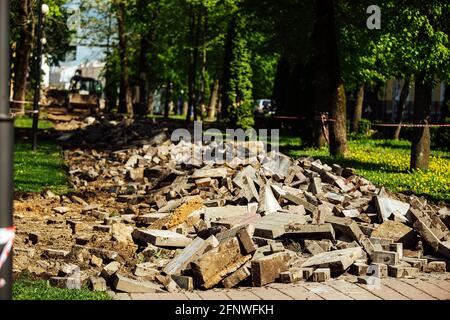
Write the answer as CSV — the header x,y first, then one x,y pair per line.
x,y
6,147
37,87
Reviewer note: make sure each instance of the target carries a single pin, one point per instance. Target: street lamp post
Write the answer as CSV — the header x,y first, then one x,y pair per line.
x,y
6,158
43,11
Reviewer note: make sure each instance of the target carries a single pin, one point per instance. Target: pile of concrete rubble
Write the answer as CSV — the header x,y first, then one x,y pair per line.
x,y
141,220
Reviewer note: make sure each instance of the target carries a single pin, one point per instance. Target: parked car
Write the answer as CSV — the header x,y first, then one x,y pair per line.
x,y
265,107
84,93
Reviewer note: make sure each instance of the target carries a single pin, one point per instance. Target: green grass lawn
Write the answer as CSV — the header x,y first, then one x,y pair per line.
x,y
386,162
44,168
27,123
27,289
34,172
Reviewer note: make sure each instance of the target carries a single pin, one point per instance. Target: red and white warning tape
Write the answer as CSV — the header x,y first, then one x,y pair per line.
x,y
408,125
6,239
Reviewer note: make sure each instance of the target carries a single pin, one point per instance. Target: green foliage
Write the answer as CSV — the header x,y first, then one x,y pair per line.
x,y
364,126
34,171
25,288
238,96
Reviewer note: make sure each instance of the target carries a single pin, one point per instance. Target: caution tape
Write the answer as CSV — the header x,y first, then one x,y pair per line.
x,y
6,239
19,112
21,102
408,125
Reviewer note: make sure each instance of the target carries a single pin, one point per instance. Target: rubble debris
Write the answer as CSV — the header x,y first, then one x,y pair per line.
x,y
321,275
162,238
124,284
142,220
218,263
268,269
337,261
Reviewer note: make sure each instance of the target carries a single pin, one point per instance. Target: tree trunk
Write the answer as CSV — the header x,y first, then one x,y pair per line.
x,y
446,106
191,65
195,64
401,107
357,112
125,101
329,87
168,100
204,64
213,100
421,140
22,60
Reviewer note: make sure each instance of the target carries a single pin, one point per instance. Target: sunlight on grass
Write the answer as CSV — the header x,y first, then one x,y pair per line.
x,y
26,289
27,123
43,169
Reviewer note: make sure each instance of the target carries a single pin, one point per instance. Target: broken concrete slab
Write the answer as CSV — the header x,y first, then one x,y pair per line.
x,y
218,263
350,228
236,277
189,254
386,257
273,226
210,173
395,231
268,204
180,214
268,269
321,275
309,231
386,207
124,284
337,261
162,238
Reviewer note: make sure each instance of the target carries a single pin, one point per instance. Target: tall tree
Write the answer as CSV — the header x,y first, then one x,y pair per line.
x,y
23,51
125,97
237,100
329,86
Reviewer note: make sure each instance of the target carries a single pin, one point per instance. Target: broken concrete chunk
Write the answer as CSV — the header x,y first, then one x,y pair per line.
x,y
268,204
436,267
184,282
168,283
124,284
335,198
273,226
55,254
268,269
97,284
110,269
189,254
236,277
218,263
337,261
399,271
162,238
386,257
210,173
386,207
309,231
146,269
121,233
350,228
179,215
291,276
321,275
395,231
313,247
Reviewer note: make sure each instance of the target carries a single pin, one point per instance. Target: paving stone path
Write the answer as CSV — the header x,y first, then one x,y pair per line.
x,y
425,287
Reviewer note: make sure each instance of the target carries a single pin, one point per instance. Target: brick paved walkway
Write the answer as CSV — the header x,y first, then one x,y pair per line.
x,y
426,287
